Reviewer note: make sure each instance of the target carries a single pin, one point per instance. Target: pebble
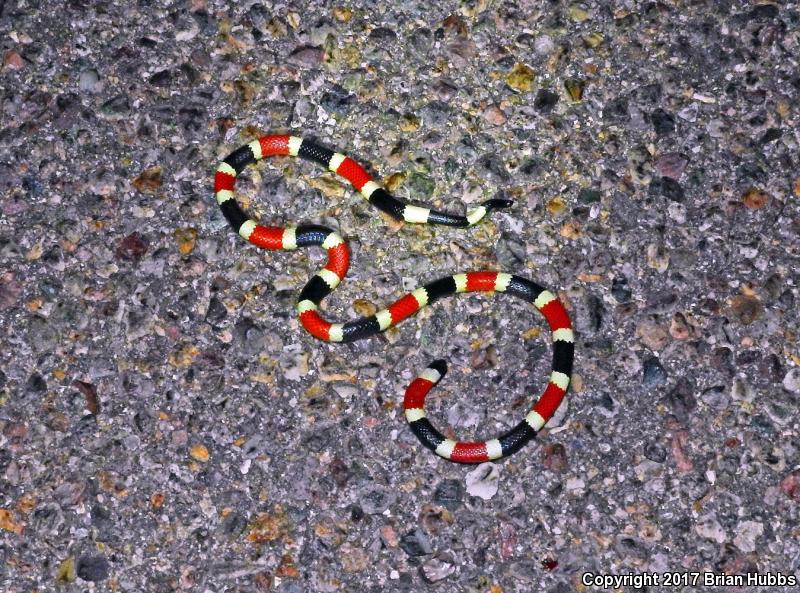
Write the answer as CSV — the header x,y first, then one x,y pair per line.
x,y
655,452
437,569
544,45
689,113
353,559
116,108
338,100
520,78
483,481
449,493
199,452
589,196
652,335
216,312
132,247
790,486
306,55
374,500
545,100
708,527
747,532
620,290
10,290
755,199
574,88
416,543
681,399
13,61
746,308
791,381
716,397
88,80
554,457
663,122
494,115
92,568
653,373
671,165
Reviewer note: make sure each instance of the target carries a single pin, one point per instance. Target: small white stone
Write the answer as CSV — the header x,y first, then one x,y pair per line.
x,y
575,485
483,480
791,382
709,528
746,534
677,212
544,45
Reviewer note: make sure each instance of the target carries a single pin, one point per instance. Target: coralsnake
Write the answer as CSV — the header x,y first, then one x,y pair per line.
x,y
323,282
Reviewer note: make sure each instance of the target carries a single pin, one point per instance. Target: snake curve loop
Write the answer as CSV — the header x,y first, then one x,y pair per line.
x,y
323,282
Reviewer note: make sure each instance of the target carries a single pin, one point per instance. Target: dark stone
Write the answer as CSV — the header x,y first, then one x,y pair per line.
x,y
337,100
663,122
655,452
681,399
751,172
606,401
449,493
620,290
234,524
589,196
531,167
32,185
356,512
416,543
384,36
667,187
92,568
653,374
748,357
421,40
340,472
191,117
435,114
722,360
617,111
216,311
161,78
649,93
765,426
36,384
132,248
770,135
492,167
116,107
545,100
628,546
596,311
376,499
763,12
102,519
771,368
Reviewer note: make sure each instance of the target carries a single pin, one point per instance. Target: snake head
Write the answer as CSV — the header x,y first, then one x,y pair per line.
x,y
496,203
476,214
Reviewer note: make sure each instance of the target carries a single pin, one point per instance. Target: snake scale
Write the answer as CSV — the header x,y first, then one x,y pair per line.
x,y
326,280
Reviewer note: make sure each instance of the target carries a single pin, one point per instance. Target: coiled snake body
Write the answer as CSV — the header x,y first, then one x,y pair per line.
x,y
322,283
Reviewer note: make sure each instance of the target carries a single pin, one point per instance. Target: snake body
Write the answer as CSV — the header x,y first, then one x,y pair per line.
x,y
327,279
